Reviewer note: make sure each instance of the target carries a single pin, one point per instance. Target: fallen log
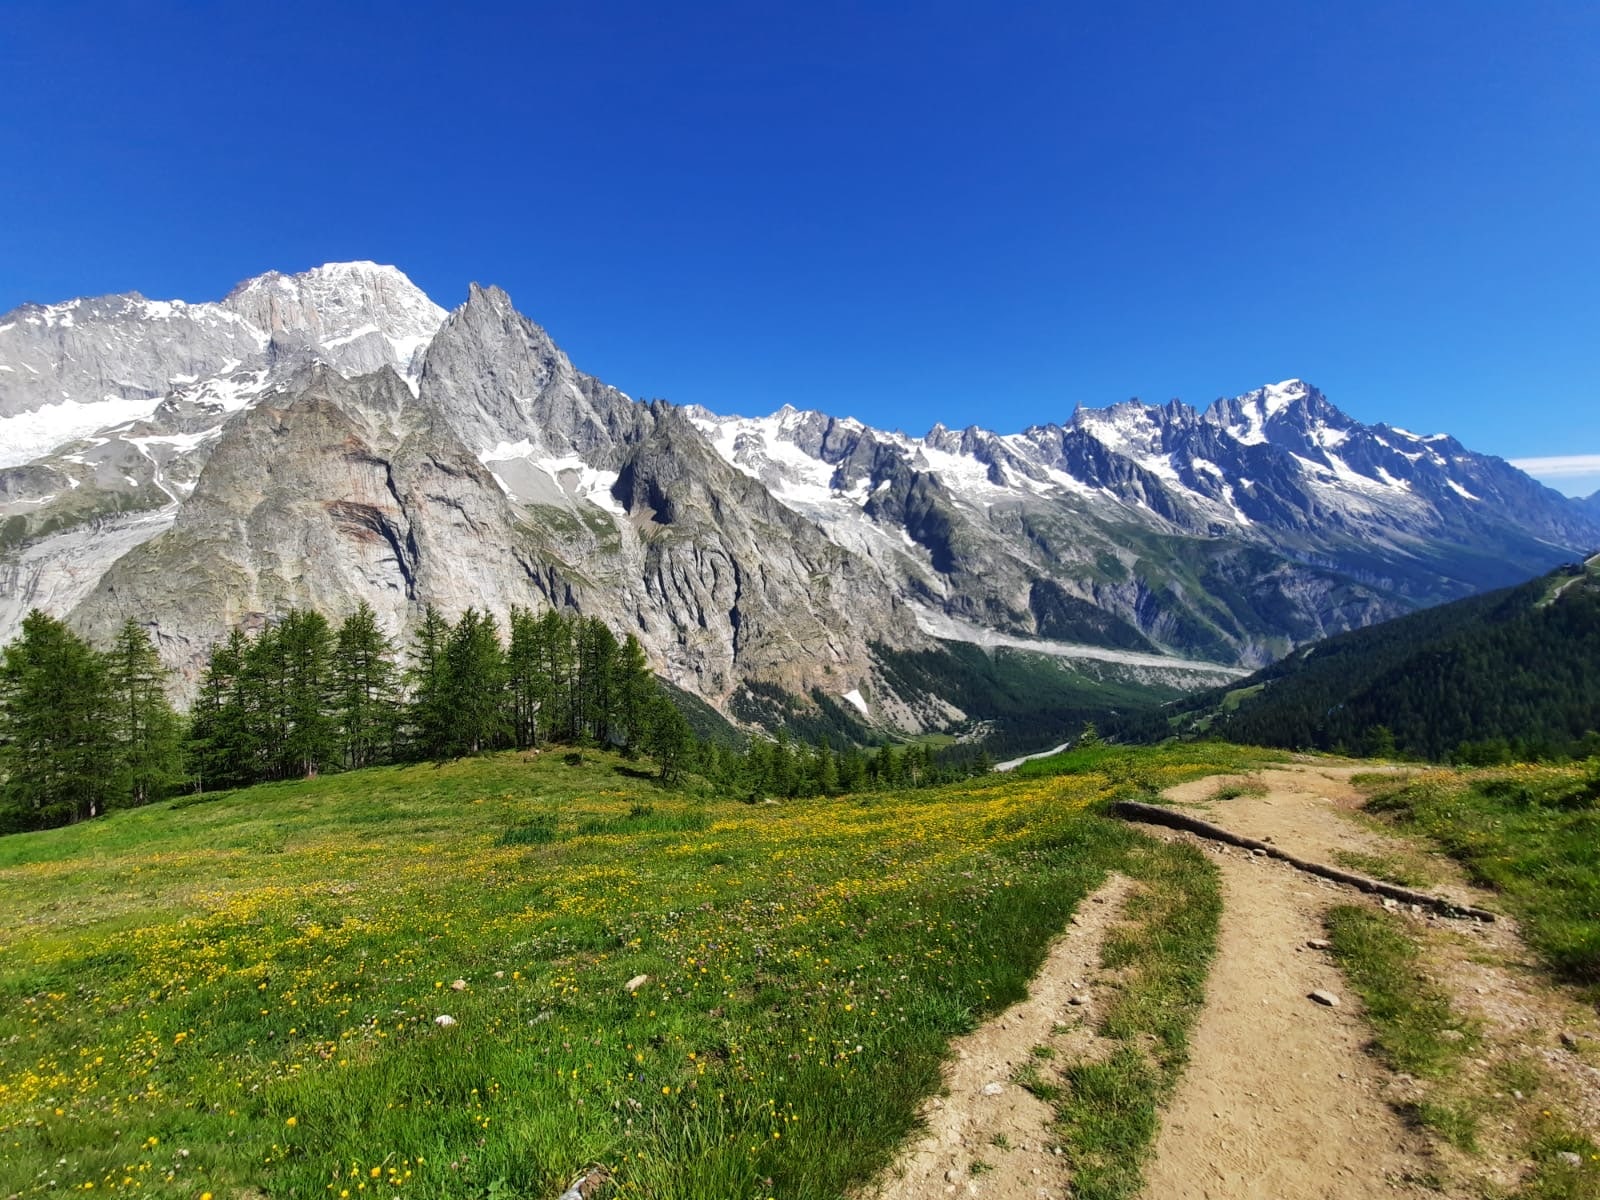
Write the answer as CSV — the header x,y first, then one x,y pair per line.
x,y
1155,814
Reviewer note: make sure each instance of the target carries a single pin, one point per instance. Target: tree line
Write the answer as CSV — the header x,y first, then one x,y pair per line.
x,y
83,731
80,730
781,768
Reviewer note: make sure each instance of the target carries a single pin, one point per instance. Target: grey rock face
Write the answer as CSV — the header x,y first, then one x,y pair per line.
x,y
330,491
115,348
358,316
110,407
326,492
499,380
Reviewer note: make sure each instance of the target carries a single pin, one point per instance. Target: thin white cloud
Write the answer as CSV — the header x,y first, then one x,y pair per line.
x,y
1559,466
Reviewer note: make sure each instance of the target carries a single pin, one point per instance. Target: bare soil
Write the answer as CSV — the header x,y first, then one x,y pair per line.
x,y
1324,1119
987,1135
1279,1099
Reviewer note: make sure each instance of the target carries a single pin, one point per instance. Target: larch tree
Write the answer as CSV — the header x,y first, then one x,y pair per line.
x,y
527,685
55,707
308,692
477,673
428,714
670,738
223,744
365,684
146,730
635,688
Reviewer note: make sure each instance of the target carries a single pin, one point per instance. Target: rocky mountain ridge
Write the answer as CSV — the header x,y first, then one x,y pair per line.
x,y
1326,524
335,436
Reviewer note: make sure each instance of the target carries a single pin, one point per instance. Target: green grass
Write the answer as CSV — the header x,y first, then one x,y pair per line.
x,y
240,992
1553,1179
1528,832
1532,833
1233,791
1237,696
1108,1118
1416,1029
1407,870
1410,1014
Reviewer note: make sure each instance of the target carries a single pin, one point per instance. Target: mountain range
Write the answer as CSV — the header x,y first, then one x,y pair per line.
x,y
334,436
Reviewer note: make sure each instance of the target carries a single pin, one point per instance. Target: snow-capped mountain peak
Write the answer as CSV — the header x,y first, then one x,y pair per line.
x,y
75,368
1281,455
338,305
1248,418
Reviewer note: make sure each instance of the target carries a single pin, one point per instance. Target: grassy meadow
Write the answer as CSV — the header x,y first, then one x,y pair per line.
x,y
241,996
1531,832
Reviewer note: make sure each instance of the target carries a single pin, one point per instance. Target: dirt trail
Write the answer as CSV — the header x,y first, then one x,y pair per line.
x,y
1306,811
1279,1100
986,1135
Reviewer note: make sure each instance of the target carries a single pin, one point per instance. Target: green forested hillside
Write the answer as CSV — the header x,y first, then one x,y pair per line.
x,y
1513,671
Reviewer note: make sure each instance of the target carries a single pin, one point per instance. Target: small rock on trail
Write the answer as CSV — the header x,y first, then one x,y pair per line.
x,y
1325,997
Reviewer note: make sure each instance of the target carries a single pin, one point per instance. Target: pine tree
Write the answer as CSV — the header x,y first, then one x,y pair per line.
x,y
852,770
756,766
527,686
781,770
555,642
57,758
264,690
597,665
670,737
635,686
827,771
145,727
365,688
887,767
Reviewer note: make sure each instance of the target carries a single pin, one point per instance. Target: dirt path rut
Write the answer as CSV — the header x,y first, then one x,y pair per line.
x,y
986,1135
1278,1100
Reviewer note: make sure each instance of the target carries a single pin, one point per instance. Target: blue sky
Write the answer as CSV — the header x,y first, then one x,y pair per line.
x,y
959,212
